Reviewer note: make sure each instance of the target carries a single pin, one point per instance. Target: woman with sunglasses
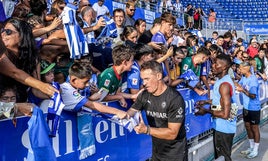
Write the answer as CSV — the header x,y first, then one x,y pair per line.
x,y
19,44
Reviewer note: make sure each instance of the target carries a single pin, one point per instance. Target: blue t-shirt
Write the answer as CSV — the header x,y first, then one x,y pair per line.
x,y
159,38
251,84
134,80
165,72
205,68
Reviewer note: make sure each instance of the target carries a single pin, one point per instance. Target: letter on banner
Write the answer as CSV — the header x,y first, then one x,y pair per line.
x,y
149,16
118,5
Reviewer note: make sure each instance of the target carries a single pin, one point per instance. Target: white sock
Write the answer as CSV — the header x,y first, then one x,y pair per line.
x,y
256,147
251,143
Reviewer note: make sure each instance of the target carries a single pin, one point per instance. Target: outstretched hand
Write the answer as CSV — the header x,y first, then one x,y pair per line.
x,y
141,127
200,110
122,114
47,89
123,102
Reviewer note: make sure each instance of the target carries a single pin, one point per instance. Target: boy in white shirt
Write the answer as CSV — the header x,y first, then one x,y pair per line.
x,y
79,77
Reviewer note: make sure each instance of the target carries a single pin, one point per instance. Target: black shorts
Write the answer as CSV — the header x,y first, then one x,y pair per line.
x,y
223,144
253,117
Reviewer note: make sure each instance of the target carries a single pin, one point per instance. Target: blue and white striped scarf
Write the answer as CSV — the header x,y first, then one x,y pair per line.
x,y
108,32
54,111
74,35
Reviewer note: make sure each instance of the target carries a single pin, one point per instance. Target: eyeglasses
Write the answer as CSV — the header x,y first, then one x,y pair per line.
x,y
132,10
246,57
8,31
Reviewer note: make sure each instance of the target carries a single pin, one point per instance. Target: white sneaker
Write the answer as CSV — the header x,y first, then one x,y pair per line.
x,y
252,154
246,152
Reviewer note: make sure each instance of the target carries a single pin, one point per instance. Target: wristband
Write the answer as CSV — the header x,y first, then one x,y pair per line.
x,y
148,130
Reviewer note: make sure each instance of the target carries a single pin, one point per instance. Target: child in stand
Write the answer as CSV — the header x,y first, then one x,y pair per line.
x,y
47,76
178,56
53,105
79,77
192,43
7,99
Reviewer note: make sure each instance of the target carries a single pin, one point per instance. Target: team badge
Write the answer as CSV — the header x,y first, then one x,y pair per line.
x,y
107,82
135,81
51,103
75,93
180,111
185,67
164,104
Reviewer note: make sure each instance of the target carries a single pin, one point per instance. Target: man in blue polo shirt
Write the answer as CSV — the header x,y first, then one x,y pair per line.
x,y
249,87
166,30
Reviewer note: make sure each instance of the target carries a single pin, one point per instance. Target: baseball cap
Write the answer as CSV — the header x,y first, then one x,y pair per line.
x,y
46,66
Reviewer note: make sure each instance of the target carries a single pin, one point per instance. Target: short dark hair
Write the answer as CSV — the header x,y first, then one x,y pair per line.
x,y
207,42
121,53
80,71
153,65
141,50
215,32
4,88
228,35
203,50
157,21
177,50
225,58
119,10
239,39
214,47
220,37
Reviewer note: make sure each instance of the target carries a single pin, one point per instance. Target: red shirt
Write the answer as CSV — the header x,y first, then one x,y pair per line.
x,y
252,52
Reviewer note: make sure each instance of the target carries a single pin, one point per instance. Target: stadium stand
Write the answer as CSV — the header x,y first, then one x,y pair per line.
x,y
234,12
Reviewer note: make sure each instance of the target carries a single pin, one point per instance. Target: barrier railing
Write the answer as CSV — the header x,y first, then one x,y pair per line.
x,y
112,141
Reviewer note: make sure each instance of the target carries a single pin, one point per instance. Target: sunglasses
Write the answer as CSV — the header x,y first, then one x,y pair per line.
x,y
132,10
87,5
8,31
246,57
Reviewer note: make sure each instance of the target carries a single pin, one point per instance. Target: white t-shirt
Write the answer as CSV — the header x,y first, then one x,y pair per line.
x,y
101,10
177,40
72,99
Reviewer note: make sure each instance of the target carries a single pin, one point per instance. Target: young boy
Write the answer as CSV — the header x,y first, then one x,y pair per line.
x,y
194,63
79,77
110,80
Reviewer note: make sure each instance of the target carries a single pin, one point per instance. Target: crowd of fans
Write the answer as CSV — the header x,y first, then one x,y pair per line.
x,y
38,41
33,33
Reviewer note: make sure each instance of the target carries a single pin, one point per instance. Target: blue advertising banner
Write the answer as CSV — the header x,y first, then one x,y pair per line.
x,y
194,125
261,29
113,142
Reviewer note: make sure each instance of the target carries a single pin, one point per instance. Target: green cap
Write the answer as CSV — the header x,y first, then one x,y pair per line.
x,y
46,66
